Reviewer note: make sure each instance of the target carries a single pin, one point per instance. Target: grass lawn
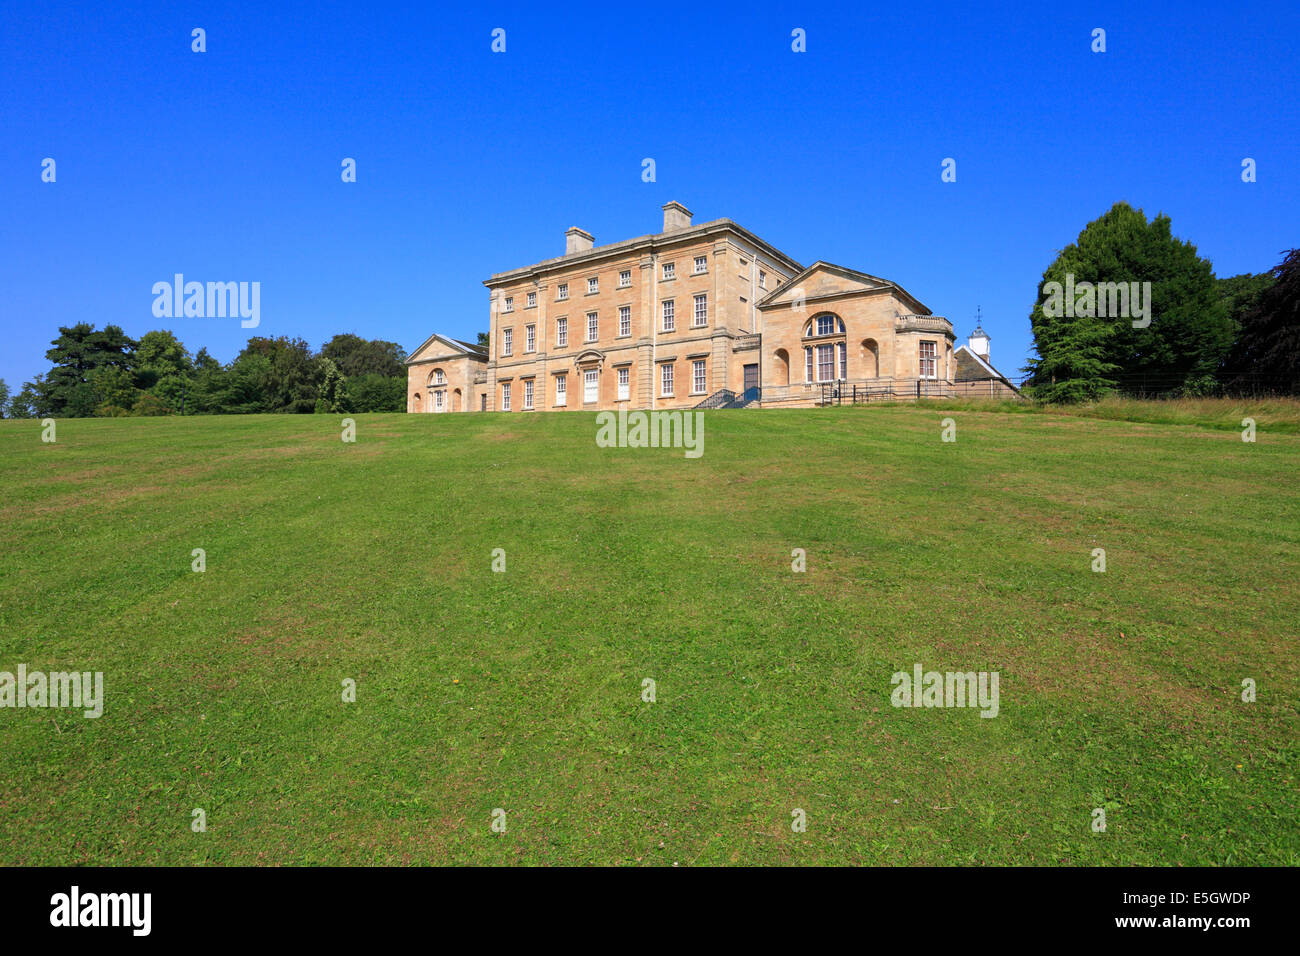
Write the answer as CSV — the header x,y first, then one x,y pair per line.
x,y
522,690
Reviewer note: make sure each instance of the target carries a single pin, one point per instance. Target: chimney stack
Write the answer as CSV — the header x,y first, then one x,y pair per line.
x,y
577,240
676,216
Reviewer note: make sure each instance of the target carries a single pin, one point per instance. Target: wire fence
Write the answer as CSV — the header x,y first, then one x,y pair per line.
x,y
1145,385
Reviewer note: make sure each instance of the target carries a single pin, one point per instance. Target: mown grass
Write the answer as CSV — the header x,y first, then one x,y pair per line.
x,y
522,690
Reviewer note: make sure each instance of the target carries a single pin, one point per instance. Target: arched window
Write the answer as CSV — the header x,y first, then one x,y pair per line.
x,y
439,377
827,323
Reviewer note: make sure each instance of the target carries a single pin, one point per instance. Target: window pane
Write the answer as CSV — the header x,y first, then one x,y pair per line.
x,y
825,363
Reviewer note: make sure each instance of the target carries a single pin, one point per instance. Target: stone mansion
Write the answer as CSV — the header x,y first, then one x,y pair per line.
x,y
703,315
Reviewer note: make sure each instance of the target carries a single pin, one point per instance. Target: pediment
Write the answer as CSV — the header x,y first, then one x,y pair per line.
x,y
823,280
589,357
441,347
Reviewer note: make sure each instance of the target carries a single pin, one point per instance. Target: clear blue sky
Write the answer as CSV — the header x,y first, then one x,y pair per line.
x,y
225,165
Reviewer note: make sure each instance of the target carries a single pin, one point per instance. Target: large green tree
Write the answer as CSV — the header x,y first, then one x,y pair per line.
x,y
79,354
1082,355
290,378
1240,293
163,367
26,402
333,392
377,393
115,390
356,356
1266,355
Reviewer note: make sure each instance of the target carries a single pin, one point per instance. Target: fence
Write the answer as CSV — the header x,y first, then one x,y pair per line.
x,y
1142,385
863,393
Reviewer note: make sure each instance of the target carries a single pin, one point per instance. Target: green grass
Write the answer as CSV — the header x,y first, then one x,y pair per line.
x,y
522,690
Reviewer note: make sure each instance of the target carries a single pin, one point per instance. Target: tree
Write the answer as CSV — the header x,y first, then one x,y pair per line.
x,y
160,354
78,353
355,356
114,388
1073,367
1240,293
290,377
163,367
4,399
204,362
377,393
1081,355
242,387
1266,354
333,389
148,404
485,341
27,402
209,386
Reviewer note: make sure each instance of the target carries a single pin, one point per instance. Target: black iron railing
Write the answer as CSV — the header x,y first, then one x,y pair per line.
x,y
719,399
726,398
860,393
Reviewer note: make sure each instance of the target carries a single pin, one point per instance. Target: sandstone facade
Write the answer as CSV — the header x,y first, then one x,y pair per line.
x,y
691,314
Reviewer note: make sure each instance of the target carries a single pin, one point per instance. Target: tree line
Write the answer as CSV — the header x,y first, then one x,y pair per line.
x,y
1199,335
105,373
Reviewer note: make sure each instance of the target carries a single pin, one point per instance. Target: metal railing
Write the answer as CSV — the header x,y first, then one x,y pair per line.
x,y
862,393
726,398
722,398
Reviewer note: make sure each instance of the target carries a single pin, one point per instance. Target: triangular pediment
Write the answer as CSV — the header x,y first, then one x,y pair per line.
x,y
824,281
441,347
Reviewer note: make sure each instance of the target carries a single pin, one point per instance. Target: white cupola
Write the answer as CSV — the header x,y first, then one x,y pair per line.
x,y
979,342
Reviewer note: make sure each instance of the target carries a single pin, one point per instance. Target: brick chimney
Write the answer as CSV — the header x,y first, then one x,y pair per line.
x,y
676,216
577,240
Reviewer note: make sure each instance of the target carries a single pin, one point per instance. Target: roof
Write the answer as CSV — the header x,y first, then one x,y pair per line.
x,y
648,240
972,368
454,346
921,308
